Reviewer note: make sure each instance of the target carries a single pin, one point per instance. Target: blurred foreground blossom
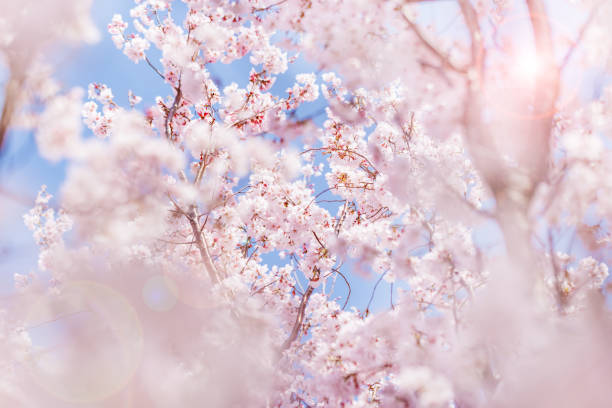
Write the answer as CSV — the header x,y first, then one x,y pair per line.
x,y
30,32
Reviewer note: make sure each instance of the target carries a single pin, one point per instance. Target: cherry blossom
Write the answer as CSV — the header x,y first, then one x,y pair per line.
x,y
218,238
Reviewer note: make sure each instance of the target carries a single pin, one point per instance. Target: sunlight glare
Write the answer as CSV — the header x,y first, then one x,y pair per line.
x,y
527,66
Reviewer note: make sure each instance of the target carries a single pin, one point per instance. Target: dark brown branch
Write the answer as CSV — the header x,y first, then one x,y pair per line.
x,y
154,68
260,9
200,242
299,318
177,100
318,240
341,219
348,285
329,149
11,96
367,310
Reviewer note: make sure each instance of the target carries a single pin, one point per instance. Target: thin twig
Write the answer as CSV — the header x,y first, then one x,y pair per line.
x,y
154,68
247,261
444,59
330,149
260,9
348,285
367,310
581,33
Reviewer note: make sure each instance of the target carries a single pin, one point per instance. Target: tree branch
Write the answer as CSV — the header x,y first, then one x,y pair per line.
x,y
546,92
172,111
154,68
583,29
199,239
444,59
367,310
477,43
299,318
11,96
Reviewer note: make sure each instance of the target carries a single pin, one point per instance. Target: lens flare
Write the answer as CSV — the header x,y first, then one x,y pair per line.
x,y
87,342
